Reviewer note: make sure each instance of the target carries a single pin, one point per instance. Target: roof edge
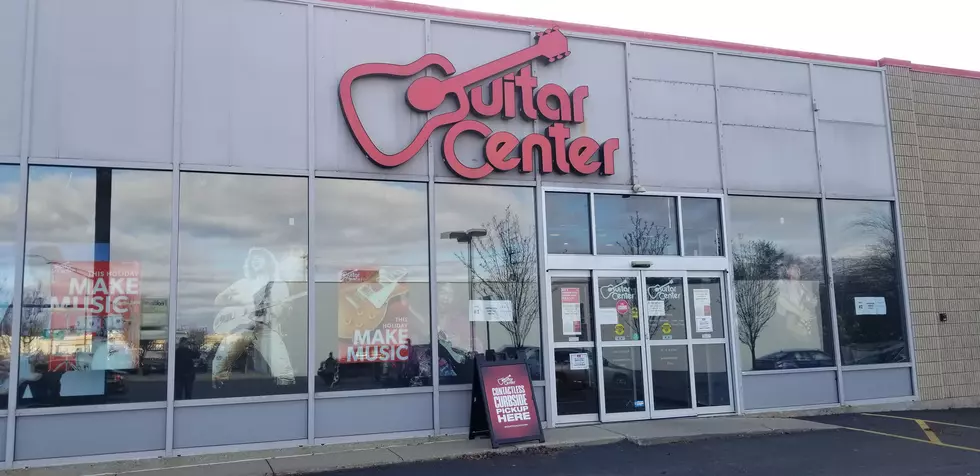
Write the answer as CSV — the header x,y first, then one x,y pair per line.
x,y
924,68
407,7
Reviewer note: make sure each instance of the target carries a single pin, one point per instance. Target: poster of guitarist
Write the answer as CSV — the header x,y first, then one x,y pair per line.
x,y
250,314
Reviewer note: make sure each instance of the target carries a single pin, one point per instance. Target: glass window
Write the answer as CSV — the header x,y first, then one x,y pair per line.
x,y
780,287
372,285
670,376
571,308
711,375
867,283
9,198
487,278
702,226
707,308
665,308
241,287
94,321
567,217
576,381
635,225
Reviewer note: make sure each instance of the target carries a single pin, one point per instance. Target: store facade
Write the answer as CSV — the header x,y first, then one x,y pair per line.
x,y
248,224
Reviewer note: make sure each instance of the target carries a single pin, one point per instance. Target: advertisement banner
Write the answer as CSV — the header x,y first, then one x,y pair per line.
x,y
375,322
504,405
84,294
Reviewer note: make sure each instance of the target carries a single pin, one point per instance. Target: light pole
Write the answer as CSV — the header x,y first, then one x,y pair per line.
x,y
467,237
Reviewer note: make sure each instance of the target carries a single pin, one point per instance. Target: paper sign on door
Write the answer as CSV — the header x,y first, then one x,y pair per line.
x,y
578,361
702,311
571,312
656,308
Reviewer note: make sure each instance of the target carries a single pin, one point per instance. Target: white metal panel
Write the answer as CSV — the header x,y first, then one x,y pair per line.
x,y
600,65
855,159
791,389
845,94
674,101
676,155
668,64
752,107
380,102
104,79
244,423
347,416
872,384
244,84
13,31
84,434
770,75
468,47
770,160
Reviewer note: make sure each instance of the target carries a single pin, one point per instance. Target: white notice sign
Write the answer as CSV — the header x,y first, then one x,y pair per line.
x,y
703,325
702,302
869,306
656,308
578,361
607,315
571,312
491,311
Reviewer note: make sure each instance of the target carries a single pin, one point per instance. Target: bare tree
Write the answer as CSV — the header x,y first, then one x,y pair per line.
x,y
646,237
506,267
756,267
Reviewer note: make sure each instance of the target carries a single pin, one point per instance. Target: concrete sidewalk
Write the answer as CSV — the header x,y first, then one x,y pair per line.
x,y
335,457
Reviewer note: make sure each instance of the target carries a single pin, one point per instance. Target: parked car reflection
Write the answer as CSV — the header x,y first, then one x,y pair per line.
x,y
794,359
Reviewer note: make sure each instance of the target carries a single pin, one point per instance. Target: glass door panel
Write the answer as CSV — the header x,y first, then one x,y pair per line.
x,y
621,348
576,379
670,377
618,312
709,344
669,348
665,311
622,371
707,309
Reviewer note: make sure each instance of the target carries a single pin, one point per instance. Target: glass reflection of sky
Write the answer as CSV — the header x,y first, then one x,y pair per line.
x,y
567,217
465,207
702,226
854,226
792,223
371,224
613,214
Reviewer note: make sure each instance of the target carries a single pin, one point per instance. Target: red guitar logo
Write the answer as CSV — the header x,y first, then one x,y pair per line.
x,y
507,94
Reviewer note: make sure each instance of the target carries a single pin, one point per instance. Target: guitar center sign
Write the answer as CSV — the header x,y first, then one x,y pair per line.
x,y
508,95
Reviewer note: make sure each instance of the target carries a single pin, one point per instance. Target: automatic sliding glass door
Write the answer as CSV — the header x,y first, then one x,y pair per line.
x,y
620,351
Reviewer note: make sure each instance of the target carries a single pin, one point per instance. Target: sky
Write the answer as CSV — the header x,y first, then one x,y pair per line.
x,y
921,32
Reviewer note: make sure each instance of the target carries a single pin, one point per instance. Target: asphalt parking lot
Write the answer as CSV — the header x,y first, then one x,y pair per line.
x,y
883,444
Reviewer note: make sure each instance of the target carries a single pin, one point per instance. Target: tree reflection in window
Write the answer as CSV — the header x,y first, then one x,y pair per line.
x,y
864,254
505,267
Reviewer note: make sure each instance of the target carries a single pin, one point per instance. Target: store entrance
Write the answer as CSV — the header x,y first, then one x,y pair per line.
x,y
632,345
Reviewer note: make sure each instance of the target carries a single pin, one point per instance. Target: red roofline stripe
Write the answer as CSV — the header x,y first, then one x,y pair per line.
x,y
924,68
416,8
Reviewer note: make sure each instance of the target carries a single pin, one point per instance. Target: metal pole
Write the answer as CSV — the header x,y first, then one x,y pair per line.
x,y
469,281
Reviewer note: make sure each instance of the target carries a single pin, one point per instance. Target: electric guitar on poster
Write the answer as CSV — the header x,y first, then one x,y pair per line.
x,y
427,93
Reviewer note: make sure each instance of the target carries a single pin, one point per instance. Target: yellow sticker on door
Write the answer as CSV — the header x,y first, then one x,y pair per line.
x,y
620,329
665,328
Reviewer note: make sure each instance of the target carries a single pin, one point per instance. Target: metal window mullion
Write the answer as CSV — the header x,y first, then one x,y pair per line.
x,y
176,154
311,363
680,227
13,379
592,224
719,130
825,247
430,196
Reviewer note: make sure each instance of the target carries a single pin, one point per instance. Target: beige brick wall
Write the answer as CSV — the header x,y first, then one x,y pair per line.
x,y
936,132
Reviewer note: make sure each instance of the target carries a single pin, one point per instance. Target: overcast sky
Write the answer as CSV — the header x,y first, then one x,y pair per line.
x,y
936,32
